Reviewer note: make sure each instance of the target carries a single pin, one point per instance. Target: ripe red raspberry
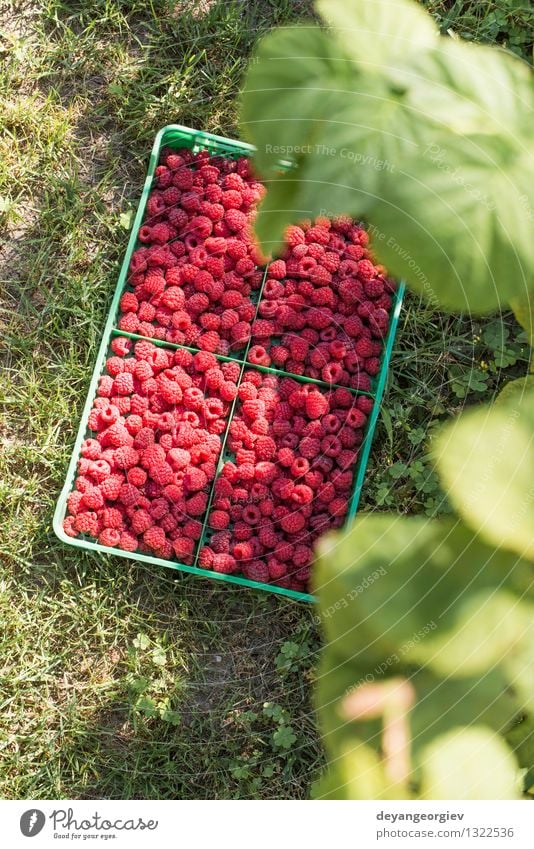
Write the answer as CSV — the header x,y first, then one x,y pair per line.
x,y
309,447
69,526
317,405
141,521
279,355
299,348
183,549
236,220
87,523
91,449
231,199
126,457
364,404
154,537
259,356
183,176
173,298
294,236
367,270
111,487
128,302
256,570
219,519
161,472
277,269
136,476
209,341
262,329
332,372
364,348
293,522
372,366
197,504
224,563
121,346
195,479
206,557
302,494
228,390
233,180
243,550
331,445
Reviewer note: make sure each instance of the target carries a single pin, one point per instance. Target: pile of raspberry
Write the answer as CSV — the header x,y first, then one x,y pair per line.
x,y
295,446
192,279
145,473
329,304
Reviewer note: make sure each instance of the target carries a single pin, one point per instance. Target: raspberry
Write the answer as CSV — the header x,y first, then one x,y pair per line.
x,y
219,519
316,405
265,448
258,355
87,523
302,494
161,472
268,536
197,504
91,449
121,346
136,476
364,348
195,479
154,537
257,571
299,348
236,220
294,236
372,366
69,526
224,563
331,445
183,549
309,447
332,373
277,269
111,487
292,523
209,341
206,557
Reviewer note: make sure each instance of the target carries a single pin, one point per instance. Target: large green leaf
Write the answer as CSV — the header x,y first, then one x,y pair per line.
x,y
486,460
393,28
430,143
441,703
516,390
469,763
490,627
357,773
419,590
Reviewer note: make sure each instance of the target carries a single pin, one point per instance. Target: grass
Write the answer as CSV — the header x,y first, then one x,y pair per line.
x,y
118,680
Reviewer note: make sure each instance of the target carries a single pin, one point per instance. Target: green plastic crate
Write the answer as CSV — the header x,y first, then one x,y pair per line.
x,y
176,136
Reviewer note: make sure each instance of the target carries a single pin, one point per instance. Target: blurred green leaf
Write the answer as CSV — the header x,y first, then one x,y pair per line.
x,y
486,460
469,763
